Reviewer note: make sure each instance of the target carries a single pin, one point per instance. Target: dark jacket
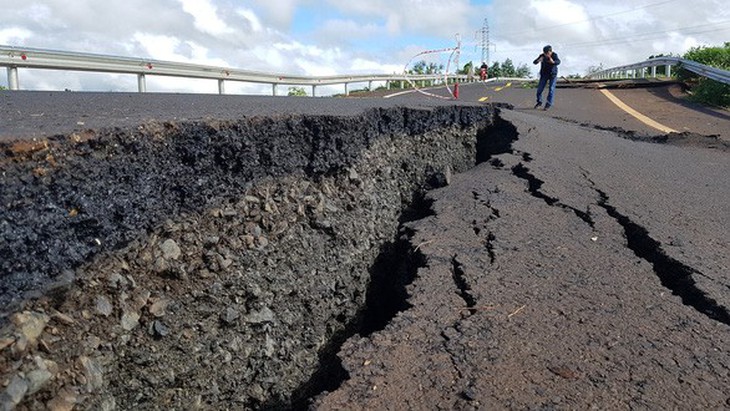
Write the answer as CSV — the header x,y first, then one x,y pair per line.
x,y
546,68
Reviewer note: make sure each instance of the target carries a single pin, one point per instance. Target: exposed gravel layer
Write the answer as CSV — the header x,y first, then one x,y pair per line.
x,y
207,264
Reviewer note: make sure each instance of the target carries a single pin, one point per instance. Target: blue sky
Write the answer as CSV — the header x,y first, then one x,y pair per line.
x,y
323,37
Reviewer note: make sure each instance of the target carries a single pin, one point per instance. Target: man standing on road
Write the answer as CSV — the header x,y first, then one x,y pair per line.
x,y
548,72
483,71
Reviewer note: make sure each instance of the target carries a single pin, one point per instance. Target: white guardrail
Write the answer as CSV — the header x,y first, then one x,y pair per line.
x,y
639,70
16,57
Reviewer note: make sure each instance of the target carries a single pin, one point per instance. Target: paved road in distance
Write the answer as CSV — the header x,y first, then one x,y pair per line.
x,y
665,103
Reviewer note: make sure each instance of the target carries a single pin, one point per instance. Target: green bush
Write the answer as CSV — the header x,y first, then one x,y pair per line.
x,y
297,91
705,90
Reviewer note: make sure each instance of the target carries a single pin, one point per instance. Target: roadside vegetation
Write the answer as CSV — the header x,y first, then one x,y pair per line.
x,y
705,90
297,91
508,69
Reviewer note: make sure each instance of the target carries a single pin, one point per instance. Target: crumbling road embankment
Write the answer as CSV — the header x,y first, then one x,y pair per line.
x,y
214,263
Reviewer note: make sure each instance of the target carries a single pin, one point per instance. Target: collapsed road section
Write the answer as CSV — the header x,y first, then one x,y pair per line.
x,y
209,264
554,278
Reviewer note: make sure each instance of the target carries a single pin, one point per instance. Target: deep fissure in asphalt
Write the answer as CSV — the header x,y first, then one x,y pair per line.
x,y
496,140
396,267
270,241
674,275
534,184
459,277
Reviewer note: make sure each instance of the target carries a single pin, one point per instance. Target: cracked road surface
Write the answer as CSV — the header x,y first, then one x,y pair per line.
x,y
571,269
577,271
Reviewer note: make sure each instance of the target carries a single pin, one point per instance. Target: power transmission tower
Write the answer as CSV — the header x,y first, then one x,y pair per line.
x,y
484,32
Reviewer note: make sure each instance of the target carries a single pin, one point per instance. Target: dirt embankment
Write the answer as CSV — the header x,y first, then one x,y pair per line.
x,y
215,264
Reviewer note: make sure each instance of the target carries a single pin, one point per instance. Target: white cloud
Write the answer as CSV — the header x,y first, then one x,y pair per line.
x,y
206,17
360,65
14,35
158,47
332,30
433,17
279,12
252,18
347,37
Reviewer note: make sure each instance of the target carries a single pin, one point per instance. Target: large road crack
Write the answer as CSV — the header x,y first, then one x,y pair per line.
x,y
673,274
458,274
534,184
478,228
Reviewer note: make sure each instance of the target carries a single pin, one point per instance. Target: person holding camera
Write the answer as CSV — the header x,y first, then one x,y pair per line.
x,y
549,62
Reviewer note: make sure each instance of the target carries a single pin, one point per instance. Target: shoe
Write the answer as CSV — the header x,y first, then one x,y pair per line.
x,y
547,106
538,105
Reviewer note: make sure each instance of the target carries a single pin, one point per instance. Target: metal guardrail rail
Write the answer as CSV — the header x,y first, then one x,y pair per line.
x,y
639,69
14,58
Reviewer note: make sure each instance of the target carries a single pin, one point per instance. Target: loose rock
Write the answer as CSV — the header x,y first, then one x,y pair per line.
x,y
262,316
30,324
159,307
103,306
170,250
93,372
159,329
37,379
229,316
14,393
65,400
130,320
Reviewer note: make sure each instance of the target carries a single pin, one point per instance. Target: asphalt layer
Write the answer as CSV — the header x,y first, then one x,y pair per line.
x,y
573,268
26,114
39,114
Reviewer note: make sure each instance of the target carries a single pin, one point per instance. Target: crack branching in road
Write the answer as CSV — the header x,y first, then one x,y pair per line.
x,y
479,228
534,185
673,274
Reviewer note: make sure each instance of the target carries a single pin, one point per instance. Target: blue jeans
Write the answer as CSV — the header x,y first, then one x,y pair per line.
x,y
551,91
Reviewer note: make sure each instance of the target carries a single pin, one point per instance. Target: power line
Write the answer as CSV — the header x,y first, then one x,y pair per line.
x,y
592,18
646,36
699,29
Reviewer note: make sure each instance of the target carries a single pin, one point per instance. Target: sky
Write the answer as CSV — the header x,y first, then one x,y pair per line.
x,y
328,37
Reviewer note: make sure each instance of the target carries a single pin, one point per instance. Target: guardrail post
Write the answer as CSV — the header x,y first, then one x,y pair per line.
x,y
273,89
314,90
221,86
13,78
141,83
